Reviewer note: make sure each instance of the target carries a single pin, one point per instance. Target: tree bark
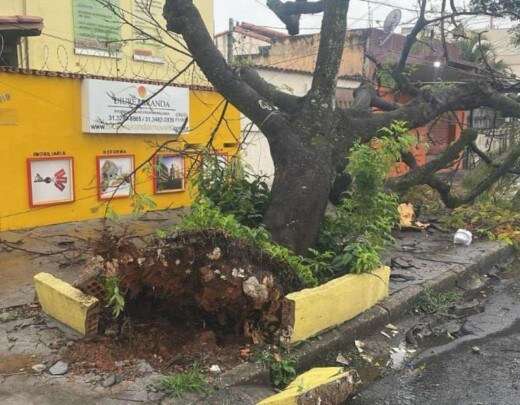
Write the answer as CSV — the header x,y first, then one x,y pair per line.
x,y
301,183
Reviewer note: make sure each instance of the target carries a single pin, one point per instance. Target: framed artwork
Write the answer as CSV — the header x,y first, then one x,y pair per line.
x,y
51,180
168,174
113,176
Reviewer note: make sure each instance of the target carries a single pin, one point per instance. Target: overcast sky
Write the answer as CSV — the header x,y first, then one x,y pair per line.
x,y
255,11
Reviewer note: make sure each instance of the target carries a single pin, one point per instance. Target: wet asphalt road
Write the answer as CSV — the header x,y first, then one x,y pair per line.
x,y
457,373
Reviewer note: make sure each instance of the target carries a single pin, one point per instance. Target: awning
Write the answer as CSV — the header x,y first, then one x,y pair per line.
x,y
21,25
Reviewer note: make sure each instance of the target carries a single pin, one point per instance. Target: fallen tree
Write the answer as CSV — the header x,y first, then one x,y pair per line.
x,y
310,136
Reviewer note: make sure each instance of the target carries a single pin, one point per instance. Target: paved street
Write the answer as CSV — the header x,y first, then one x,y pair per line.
x,y
481,367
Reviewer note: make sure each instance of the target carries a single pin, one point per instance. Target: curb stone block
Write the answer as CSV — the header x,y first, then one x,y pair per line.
x,y
401,301
327,385
444,281
309,353
311,311
67,304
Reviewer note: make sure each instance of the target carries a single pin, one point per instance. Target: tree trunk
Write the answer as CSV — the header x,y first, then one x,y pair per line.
x,y
300,193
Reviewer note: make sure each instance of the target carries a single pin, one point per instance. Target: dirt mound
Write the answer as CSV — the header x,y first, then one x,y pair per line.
x,y
206,276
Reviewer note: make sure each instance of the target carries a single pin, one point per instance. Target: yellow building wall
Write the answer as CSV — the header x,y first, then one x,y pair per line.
x,y
11,7
54,50
43,114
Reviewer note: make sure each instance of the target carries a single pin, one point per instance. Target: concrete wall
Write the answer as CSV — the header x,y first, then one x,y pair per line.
x,y
54,50
500,39
40,115
300,53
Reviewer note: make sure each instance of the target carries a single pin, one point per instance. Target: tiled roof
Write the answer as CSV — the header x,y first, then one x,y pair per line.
x,y
299,71
256,31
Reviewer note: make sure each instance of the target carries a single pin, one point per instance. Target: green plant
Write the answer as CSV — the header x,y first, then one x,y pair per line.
x,y
177,384
490,218
362,226
233,188
205,215
115,298
430,301
282,370
142,203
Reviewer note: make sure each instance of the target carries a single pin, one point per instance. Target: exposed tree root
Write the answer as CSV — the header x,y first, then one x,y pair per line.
x,y
206,275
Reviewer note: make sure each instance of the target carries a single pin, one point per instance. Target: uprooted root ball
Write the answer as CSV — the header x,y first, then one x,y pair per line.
x,y
225,283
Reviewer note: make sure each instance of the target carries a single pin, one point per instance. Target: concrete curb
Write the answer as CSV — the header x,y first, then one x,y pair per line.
x,y
308,353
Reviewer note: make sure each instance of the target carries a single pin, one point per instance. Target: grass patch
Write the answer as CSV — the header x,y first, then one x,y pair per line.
x,y
430,302
177,384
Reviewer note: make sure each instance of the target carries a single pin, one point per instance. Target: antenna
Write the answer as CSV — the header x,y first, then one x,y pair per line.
x,y
392,20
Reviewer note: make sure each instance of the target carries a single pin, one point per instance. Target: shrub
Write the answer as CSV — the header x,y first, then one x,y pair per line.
x,y
233,188
365,217
205,215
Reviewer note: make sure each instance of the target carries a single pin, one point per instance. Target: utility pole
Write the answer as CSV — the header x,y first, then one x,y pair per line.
x,y
230,40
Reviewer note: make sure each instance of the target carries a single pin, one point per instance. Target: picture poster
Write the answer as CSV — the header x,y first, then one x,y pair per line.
x,y
147,15
114,179
51,181
115,107
169,174
96,27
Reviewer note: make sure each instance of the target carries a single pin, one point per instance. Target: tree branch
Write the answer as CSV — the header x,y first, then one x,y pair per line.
x,y
332,42
289,12
411,38
422,174
453,201
435,101
487,160
286,102
184,18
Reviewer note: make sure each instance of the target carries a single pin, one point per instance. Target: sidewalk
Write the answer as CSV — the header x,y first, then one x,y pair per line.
x,y
60,250
26,338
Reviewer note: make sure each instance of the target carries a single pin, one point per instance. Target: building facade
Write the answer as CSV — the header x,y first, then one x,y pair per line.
x,y
63,160
504,49
88,126
83,36
247,39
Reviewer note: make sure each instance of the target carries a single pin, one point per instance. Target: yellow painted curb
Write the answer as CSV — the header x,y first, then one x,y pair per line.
x,y
311,311
67,304
319,385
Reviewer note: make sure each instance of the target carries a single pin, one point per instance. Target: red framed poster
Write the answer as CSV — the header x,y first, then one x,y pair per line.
x,y
169,174
115,176
50,180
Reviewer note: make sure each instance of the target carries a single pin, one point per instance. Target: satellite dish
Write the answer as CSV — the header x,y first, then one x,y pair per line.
x,y
392,20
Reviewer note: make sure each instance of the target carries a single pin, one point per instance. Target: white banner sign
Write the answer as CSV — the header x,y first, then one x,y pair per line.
x,y
111,107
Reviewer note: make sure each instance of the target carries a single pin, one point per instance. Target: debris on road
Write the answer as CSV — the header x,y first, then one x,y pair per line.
x,y
463,237
39,368
59,368
342,360
109,381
